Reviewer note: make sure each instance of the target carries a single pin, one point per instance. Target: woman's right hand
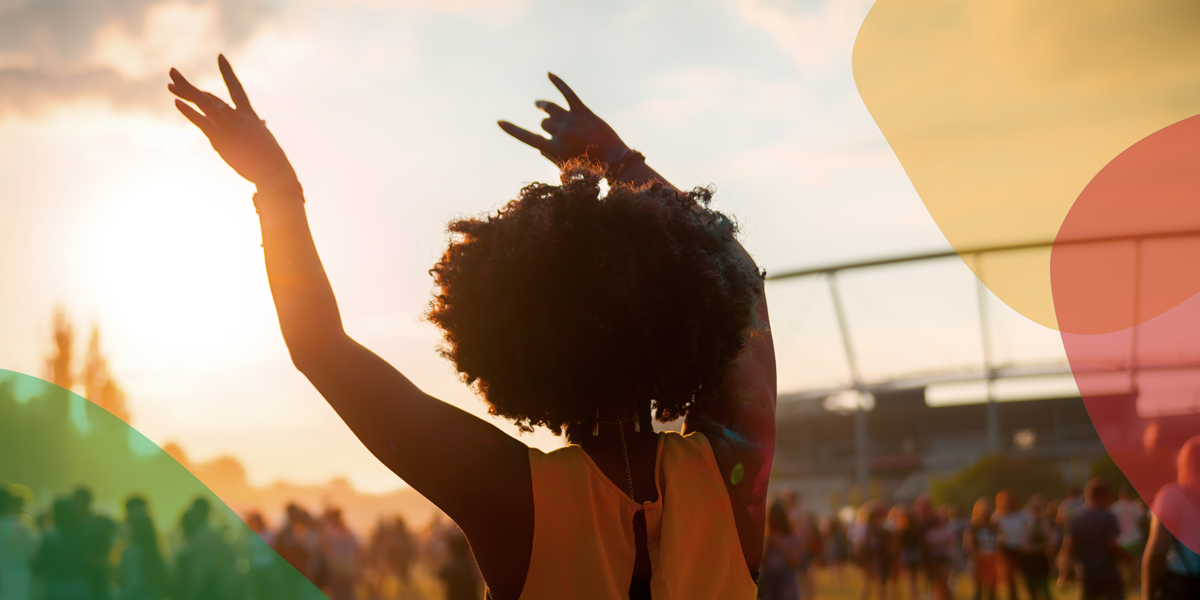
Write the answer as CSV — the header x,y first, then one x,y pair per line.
x,y
237,134
574,131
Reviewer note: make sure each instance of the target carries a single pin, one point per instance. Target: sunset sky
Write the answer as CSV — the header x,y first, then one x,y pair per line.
x,y
114,206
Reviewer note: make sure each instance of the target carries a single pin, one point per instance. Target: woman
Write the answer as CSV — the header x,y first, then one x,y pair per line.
x,y
981,543
564,310
784,550
1171,569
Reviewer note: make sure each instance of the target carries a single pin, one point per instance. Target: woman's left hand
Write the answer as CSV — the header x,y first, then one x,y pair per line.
x,y
574,131
237,134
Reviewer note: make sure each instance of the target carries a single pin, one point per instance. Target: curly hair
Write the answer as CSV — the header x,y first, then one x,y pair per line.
x,y
564,300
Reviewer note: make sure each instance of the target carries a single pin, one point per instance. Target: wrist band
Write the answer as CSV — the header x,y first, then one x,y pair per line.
x,y
627,158
289,190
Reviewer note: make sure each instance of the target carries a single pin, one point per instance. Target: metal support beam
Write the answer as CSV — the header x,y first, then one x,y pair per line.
x,y
995,446
861,442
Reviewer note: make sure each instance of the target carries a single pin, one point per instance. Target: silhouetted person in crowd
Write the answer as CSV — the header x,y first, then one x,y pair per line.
x,y
923,519
1170,568
784,550
401,550
340,548
981,542
299,544
290,542
909,540
959,564
1091,542
199,566
837,546
939,552
18,542
1072,503
61,561
142,572
1035,557
459,574
265,563
1014,531
813,554
584,314
391,551
875,550
99,533
1130,512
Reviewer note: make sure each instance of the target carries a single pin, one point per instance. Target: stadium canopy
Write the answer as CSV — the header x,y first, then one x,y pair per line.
x,y
846,332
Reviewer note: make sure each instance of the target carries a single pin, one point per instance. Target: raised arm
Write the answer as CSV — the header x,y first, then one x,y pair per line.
x,y
465,465
740,424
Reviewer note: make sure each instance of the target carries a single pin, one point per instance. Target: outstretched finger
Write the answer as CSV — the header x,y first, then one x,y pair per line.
x,y
550,108
184,89
210,104
528,137
573,100
236,92
197,119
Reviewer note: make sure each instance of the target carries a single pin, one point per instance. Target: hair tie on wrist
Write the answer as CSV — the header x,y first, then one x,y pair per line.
x,y
623,162
292,190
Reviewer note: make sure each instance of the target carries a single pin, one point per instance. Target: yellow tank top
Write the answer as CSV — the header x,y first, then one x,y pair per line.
x,y
583,544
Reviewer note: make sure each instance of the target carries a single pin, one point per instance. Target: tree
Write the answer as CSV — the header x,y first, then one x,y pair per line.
x,y
99,386
58,363
98,383
1024,477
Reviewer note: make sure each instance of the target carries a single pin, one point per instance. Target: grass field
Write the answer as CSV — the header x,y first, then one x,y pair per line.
x,y
426,587
828,588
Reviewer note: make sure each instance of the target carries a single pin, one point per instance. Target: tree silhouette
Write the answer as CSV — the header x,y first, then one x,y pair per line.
x,y
98,383
58,363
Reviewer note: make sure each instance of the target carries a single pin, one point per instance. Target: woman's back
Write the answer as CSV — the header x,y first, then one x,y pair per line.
x,y
584,543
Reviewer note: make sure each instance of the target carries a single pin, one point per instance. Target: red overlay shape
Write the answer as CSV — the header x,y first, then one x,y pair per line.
x,y
1125,275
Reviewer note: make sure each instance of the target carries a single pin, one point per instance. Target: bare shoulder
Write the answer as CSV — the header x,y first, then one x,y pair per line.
x,y
739,424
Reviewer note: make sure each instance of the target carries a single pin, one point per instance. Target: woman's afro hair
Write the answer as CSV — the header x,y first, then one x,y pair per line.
x,y
564,300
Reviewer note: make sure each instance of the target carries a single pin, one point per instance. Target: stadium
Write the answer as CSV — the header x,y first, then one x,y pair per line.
x,y
930,372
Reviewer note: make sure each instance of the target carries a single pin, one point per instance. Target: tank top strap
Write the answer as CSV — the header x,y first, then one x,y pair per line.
x,y
700,553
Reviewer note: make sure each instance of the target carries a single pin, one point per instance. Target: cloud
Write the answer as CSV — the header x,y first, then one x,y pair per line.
x,y
118,51
817,35
111,50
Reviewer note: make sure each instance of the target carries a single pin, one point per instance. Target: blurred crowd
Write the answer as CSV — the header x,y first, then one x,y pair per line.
x,y
70,551
1089,541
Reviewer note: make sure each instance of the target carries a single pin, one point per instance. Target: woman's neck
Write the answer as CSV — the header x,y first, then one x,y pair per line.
x,y
609,418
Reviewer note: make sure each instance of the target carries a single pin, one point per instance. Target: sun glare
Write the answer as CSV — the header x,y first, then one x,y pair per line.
x,y
177,276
